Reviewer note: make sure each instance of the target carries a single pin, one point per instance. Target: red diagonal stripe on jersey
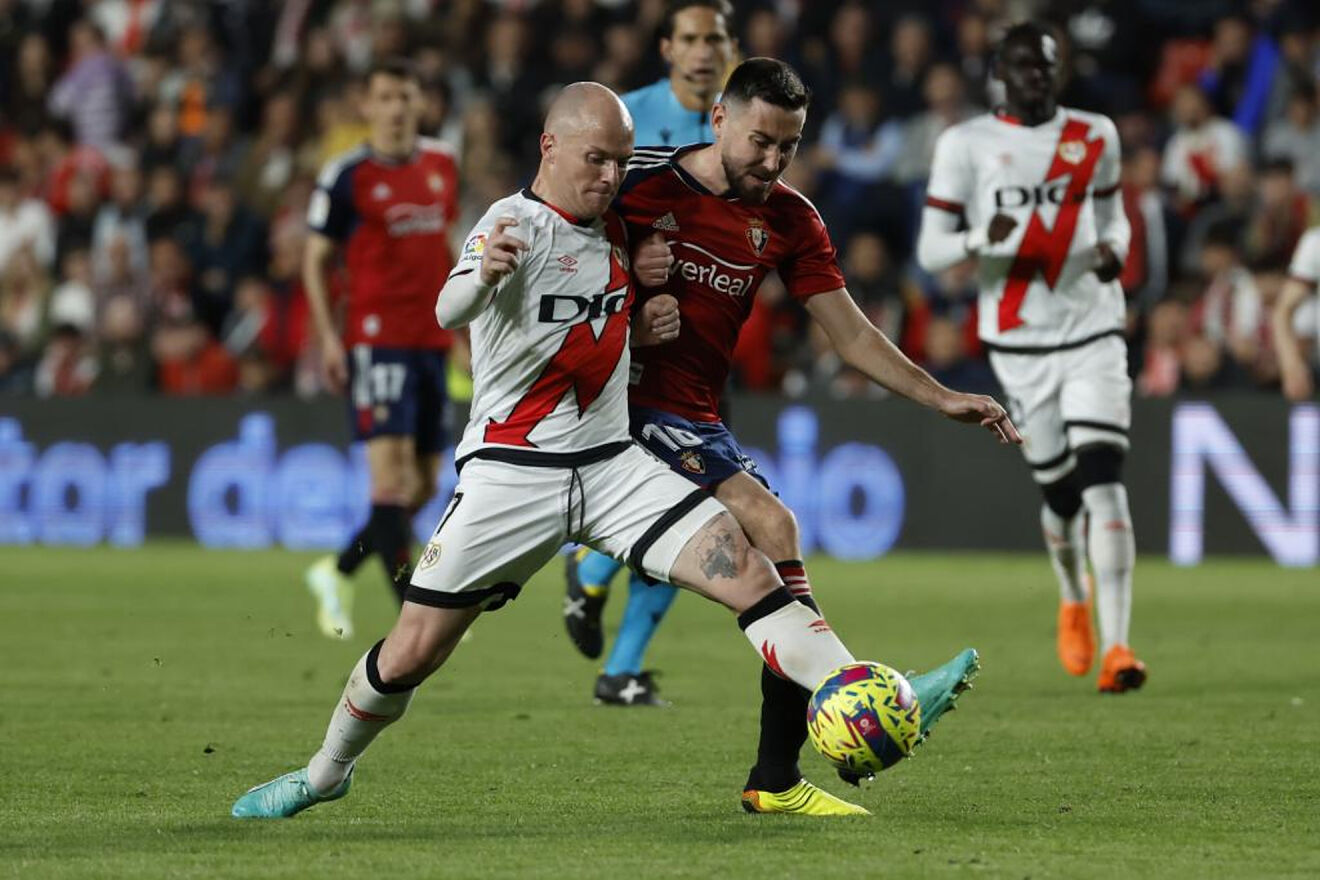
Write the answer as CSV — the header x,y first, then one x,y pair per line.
x,y
583,363
1045,250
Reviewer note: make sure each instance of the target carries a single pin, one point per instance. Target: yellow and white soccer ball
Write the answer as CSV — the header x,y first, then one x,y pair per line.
x,y
864,718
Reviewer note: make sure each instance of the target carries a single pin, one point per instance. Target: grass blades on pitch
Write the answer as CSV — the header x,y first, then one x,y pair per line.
x,y
143,690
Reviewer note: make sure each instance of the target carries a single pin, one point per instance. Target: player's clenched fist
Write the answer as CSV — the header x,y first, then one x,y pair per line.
x,y
652,263
502,252
657,321
1000,227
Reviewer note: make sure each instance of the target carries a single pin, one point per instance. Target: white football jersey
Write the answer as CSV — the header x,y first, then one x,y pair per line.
x,y
1059,181
550,353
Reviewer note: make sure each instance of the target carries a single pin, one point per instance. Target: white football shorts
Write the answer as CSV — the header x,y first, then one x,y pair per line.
x,y
507,520
1064,400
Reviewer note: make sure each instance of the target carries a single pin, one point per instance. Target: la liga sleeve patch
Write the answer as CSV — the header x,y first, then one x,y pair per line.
x,y
473,248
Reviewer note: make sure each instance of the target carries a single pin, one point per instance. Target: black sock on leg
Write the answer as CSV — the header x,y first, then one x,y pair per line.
x,y
391,538
356,552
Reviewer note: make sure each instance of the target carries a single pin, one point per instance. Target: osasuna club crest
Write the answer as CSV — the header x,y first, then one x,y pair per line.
x,y
1072,152
691,462
757,236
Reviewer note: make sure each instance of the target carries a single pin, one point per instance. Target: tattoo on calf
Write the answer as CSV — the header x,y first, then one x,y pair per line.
x,y
719,555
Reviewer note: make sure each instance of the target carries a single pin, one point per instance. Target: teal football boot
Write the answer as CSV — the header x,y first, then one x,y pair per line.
x,y
286,796
938,690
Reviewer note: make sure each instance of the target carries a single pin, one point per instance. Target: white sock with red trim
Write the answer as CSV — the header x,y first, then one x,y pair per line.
x,y
1065,541
366,707
793,640
1113,554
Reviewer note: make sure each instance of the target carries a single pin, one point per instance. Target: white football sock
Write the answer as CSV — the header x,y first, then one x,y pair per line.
x,y
793,640
363,712
1065,543
1113,553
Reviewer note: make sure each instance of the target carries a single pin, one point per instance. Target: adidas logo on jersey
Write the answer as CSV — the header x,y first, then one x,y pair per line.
x,y
667,223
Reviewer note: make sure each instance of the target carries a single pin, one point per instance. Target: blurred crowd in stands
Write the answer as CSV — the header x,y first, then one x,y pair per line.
x,y
156,159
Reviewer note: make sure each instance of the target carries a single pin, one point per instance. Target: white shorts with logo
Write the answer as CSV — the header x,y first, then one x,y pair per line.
x,y
507,520
1064,400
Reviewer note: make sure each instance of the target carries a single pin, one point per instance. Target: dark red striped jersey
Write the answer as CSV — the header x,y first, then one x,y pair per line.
x,y
1059,180
723,249
392,219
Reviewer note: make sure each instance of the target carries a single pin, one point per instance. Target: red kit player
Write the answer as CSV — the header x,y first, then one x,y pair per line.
x,y
387,207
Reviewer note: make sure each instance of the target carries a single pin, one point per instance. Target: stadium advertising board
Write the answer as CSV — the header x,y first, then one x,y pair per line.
x,y
1237,475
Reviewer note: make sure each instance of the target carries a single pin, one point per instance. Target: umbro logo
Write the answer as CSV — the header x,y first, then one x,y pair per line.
x,y
567,263
667,223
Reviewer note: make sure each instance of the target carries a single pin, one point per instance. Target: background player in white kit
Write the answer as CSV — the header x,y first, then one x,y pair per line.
x,y
544,283
1296,316
1031,192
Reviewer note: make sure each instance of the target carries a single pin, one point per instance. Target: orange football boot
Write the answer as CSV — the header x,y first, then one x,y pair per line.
x,y
1076,643
1121,671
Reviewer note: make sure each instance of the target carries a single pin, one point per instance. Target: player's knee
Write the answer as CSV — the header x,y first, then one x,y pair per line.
x,y
782,531
391,486
416,648
1097,465
1064,497
423,492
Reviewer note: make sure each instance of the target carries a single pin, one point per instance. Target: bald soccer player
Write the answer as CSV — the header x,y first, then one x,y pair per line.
x,y
544,282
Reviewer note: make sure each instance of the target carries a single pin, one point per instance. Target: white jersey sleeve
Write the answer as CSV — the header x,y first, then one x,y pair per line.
x,y
1305,268
942,241
1112,226
550,345
1305,265
952,176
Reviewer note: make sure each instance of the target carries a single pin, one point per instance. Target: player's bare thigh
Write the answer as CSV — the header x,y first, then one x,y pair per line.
x,y
719,563
769,525
393,467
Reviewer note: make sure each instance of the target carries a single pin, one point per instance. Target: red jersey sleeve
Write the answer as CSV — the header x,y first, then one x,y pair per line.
x,y
812,266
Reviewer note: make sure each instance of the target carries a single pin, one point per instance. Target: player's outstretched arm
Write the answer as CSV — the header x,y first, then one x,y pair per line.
x,y
470,289
862,346
1296,375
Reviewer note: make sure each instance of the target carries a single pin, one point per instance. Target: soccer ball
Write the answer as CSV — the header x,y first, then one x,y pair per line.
x,y
864,717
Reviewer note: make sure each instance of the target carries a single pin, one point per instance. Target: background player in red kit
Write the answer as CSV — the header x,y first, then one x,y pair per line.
x,y
729,221
387,206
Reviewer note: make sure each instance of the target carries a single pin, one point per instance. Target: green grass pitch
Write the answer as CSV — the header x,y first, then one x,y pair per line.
x,y
143,690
